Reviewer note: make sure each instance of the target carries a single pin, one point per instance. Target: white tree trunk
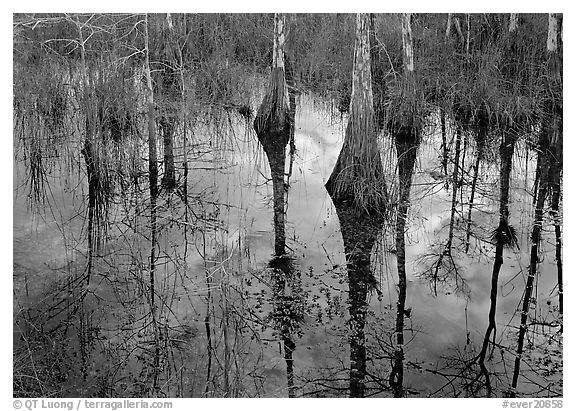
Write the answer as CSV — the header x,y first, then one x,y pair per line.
x,y
513,22
554,66
278,50
169,21
359,160
362,75
448,26
407,43
552,43
467,33
279,38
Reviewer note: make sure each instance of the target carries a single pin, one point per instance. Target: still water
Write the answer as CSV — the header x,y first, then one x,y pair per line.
x,y
222,272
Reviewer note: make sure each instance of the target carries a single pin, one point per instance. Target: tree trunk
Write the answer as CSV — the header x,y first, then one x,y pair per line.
x,y
556,194
277,164
448,248
273,125
448,26
467,34
454,188
537,180
556,149
227,350
444,144
407,140
550,148
471,203
359,234
556,165
462,166
378,72
480,144
89,153
513,22
406,147
503,237
289,347
286,311
184,120
358,176
535,241
289,75
170,87
153,184
358,191
152,168
207,321
167,125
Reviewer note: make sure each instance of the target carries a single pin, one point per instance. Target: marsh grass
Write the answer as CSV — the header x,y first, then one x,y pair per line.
x,y
358,175
204,257
42,111
125,362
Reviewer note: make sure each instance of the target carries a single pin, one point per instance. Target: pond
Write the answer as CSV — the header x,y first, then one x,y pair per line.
x,y
217,300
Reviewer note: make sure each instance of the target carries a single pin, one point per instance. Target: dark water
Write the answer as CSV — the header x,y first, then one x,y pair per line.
x,y
235,257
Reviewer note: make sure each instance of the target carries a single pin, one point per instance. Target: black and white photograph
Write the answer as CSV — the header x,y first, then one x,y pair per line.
x,y
287,205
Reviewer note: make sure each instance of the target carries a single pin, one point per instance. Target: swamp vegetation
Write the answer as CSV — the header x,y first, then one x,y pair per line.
x,y
307,205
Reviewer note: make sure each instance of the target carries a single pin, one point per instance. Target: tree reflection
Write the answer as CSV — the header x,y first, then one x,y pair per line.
x,y
288,305
359,232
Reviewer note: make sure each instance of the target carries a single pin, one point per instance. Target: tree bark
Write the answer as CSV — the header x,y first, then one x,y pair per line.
x,y
444,144
407,140
358,192
480,143
152,166
556,195
503,232
170,87
358,175
378,73
454,188
153,184
359,234
556,151
286,311
513,22
289,75
448,26
89,153
273,125
407,151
